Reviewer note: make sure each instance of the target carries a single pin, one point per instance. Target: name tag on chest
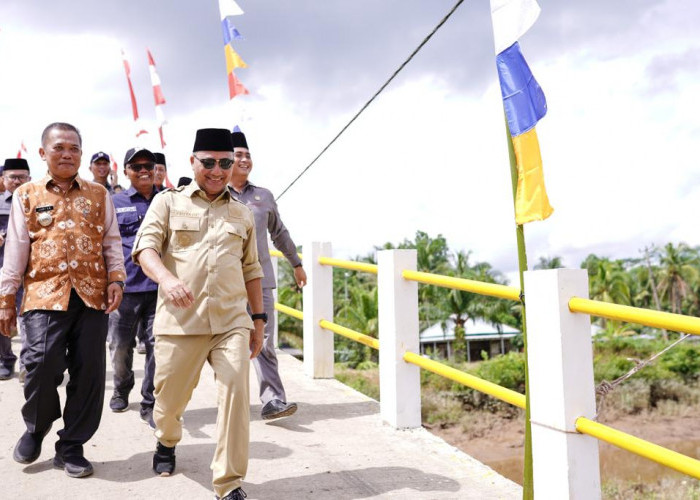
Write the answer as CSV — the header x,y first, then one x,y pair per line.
x,y
122,210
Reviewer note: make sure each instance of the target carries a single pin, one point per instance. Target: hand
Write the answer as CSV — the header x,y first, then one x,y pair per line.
x,y
300,276
2,239
8,316
114,297
256,338
177,292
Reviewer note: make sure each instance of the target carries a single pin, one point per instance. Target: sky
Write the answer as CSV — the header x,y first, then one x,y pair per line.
x,y
621,80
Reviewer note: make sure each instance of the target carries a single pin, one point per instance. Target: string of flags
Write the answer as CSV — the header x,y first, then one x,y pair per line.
x,y
524,104
227,10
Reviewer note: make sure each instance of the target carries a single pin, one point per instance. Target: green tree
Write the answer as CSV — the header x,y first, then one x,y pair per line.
x,y
677,274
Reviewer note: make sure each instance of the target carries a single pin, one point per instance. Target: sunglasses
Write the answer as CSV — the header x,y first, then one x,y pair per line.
x,y
209,163
138,166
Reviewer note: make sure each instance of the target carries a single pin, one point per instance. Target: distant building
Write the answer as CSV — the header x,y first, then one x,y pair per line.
x,y
479,335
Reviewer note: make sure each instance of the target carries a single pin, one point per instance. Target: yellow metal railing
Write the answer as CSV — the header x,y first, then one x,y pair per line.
x,y
351,334
656,319
490,289
289,311
654,452
481,385
277,253
349,264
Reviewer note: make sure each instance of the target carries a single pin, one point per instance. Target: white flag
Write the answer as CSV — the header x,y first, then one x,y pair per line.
x,y
229,8
511,19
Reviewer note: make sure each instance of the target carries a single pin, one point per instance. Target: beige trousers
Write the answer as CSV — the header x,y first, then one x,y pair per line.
x,y
179,362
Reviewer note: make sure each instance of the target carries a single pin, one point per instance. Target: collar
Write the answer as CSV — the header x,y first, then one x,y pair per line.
x,y
193,188
132,191
248,185
81,183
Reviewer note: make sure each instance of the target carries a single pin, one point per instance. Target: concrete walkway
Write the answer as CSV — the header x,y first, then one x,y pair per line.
x,y
335,447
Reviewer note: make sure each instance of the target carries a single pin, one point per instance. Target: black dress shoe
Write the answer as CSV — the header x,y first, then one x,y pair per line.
x,y
74,465
164,460
237,494
277,409
28,448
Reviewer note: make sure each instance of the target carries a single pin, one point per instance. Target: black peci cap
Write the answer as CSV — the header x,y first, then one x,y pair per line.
x,y
213,139
160,158
16,164
239,141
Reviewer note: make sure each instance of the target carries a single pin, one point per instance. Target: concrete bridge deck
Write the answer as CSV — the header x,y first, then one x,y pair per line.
x,y
335,447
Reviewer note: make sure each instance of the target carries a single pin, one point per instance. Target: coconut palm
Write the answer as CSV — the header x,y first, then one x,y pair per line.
x,y
678,273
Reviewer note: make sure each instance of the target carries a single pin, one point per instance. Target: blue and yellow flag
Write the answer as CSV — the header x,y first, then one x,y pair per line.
x,y
524,104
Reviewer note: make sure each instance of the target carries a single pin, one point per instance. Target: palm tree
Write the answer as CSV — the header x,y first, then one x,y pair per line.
x,y
678,272
608,283
548,263
461,306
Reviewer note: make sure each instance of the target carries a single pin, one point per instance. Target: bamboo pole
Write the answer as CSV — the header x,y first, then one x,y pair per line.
x,y
528,487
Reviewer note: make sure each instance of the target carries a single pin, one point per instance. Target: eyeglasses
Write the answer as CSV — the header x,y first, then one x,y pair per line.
x,y
209,163
18,178
138,166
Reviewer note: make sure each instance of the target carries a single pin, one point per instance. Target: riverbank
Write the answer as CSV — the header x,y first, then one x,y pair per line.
x,y
498,442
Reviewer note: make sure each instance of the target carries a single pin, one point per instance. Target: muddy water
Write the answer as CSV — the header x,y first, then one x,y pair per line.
x,y
614,464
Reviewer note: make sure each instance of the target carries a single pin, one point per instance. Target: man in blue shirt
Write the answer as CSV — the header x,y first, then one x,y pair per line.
x,y
15,173
138,306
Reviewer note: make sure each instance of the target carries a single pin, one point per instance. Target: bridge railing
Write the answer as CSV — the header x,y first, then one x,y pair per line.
x,y
562,392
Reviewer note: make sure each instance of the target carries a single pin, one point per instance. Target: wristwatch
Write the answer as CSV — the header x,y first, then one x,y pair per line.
x,y
120,283
262,316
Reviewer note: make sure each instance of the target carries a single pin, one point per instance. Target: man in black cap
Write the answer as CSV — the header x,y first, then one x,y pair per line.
x,y
102,172
161,171
198,244
16,173
262,203
138,306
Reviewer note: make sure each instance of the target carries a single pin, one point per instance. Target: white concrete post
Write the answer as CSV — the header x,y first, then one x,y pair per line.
x,y
399,382
318,305
560,360
275,296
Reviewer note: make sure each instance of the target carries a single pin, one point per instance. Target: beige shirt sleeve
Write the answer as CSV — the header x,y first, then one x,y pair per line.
x,y
249,263
154,228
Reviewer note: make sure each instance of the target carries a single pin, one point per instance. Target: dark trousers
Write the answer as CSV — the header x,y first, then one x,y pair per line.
x,y
136,310
7,357
56,340
265,363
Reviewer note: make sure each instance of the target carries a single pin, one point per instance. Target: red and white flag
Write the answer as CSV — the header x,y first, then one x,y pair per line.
x,y
134,107
22,150
158,97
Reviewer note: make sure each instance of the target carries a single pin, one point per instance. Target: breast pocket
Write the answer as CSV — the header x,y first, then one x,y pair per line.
x,y
236,235
185,233
128,223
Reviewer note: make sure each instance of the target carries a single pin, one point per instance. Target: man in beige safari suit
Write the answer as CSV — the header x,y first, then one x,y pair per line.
x,y
198,244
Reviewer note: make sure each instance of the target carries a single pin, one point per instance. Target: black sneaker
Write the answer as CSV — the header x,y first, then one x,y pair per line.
x,y
146,413
164,460
119,402
6,372
73,465
141,348
277,409
28,448
237,494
